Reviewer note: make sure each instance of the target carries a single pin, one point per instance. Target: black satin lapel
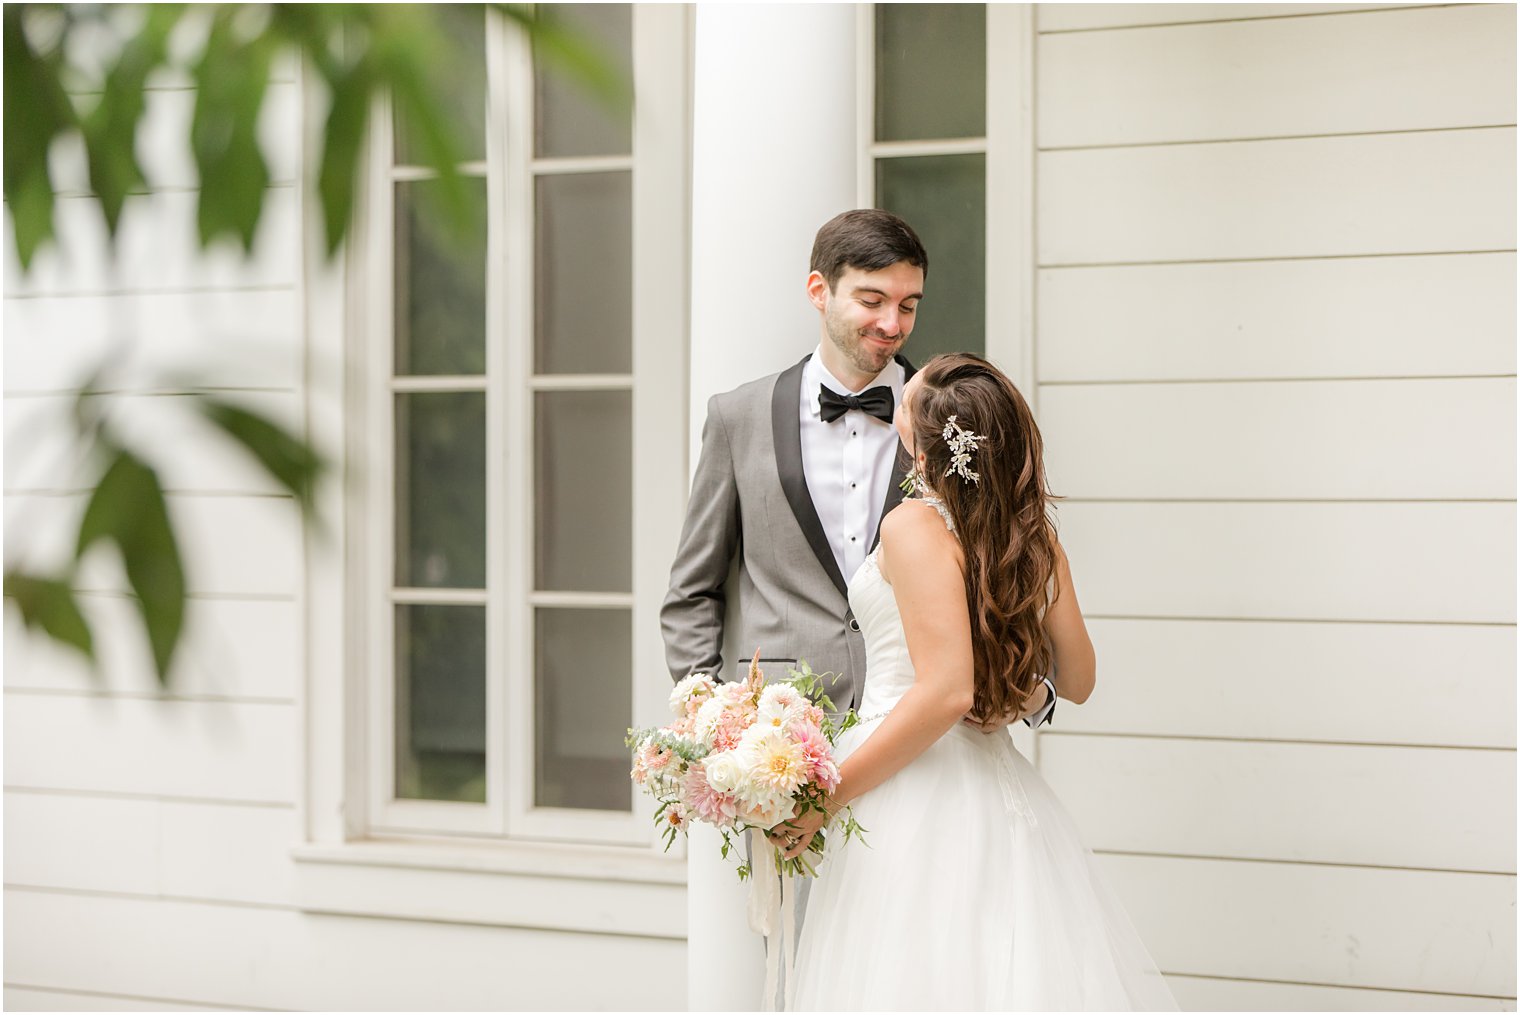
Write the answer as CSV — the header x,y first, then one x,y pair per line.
x,y
786,428
899,467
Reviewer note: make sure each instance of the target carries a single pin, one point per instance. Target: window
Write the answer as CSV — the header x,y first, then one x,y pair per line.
x,y
943,112
513,386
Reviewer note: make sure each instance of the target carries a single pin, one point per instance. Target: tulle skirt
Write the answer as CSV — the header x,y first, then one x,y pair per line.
x,y
974,892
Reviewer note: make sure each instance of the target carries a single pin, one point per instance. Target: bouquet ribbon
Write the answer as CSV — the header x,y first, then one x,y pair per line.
x,y
772,911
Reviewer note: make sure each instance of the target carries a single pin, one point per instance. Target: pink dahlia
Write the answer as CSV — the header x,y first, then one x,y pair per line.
x,y
817,754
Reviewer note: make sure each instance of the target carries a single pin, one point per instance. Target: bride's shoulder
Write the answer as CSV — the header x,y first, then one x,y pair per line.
x,y
913,521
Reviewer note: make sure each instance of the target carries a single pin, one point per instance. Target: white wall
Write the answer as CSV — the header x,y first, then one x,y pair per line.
x,y
1276,373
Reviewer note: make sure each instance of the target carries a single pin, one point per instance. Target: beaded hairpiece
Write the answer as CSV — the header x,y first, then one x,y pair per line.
x,y
962,443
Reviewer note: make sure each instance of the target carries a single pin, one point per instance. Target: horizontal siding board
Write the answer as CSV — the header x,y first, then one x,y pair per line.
x,y
192,454
230,649
1340,317
157,248
220,852
1081,17
1444,685
1200,993
232,339
1372,194
1425,931
26,999
1294,561
1393,70
526,900
1442,809
284,959
230,545
209,750
1360,439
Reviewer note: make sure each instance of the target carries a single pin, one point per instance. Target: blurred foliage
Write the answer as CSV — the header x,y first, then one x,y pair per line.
x,y
82,72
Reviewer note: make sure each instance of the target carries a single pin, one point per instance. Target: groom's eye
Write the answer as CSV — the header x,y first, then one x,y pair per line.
x,y
873,304
908,310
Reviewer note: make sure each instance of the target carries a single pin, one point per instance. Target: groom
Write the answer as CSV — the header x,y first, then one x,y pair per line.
x,y
797,470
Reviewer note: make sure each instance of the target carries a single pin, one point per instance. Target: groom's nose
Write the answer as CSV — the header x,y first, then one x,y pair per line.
x,y
889,323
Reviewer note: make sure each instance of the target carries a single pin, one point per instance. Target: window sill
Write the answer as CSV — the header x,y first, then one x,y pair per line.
x,y
561,887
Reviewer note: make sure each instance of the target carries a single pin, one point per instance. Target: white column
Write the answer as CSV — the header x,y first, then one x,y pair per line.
x,y
773,158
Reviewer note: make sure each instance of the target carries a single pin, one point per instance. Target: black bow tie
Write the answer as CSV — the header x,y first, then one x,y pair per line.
x,y
877,401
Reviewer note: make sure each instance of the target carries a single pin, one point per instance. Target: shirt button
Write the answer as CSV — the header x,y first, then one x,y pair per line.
x,y
854,433
854,625
852,539
852,486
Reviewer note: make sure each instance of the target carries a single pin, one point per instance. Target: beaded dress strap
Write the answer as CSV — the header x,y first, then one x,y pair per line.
x,y
939,506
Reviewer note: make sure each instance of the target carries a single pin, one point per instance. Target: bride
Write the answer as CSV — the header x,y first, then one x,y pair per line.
x,y
975,891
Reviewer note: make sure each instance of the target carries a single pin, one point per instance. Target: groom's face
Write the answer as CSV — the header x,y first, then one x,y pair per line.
x,y
869,314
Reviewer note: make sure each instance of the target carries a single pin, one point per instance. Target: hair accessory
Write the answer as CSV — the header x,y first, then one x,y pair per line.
x,y
962,443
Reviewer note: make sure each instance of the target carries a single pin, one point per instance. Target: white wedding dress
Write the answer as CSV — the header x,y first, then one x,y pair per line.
x,y
975,891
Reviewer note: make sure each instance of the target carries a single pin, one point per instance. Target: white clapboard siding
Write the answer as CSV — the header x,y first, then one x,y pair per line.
x,y
157,249
31,999
1393,70
1205,993
1357,439
1338,317
1328,803
1431,931
1085,17
192,454
1422,192
645,909
1294,561
230,545
229,648
221,852
273,958
163,142
1435,684
229,339
190,749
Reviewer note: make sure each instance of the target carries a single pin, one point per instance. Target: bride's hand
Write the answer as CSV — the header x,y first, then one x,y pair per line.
x,y
793,835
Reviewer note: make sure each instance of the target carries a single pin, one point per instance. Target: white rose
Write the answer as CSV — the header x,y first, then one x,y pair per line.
x,y
697,683
725,770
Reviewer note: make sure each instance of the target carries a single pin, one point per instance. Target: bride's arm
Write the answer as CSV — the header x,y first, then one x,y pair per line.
x,y
925,563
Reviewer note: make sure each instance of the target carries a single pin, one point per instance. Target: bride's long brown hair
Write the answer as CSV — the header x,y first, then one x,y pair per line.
x,y
1005,530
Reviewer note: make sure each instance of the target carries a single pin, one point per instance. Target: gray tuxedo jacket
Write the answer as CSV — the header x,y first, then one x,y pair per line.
x,y
754,568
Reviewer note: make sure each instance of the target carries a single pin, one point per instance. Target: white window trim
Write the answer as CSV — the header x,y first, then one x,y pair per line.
x,y
1009,146
341,645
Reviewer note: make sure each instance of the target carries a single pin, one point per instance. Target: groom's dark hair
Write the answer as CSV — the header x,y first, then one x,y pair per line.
x,y
868,239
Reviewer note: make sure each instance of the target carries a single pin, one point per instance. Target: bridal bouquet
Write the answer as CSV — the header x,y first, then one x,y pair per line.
x,y
741,756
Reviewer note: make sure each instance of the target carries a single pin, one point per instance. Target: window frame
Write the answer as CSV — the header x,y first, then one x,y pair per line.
x,y
660,184
1009,149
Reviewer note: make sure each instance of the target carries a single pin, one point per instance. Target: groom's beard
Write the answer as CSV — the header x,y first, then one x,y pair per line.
x,y
865,355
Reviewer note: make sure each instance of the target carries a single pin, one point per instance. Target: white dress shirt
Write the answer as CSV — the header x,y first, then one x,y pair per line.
x,y
847,463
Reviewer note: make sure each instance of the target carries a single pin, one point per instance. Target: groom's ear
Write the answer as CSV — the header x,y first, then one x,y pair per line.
x,y
817,289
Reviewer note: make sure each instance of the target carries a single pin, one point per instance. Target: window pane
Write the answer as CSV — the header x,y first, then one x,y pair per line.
x,y
584,491
441,703
944,198
456,75
441,489
584,705
567,120
584,274
440,274
931,71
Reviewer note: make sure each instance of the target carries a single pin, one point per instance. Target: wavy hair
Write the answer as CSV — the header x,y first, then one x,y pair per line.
x,y
1005,529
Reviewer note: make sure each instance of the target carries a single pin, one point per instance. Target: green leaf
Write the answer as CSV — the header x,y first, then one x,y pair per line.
x,y
37,110
110,129
286,457
231,80
343,136
129,509
49,603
